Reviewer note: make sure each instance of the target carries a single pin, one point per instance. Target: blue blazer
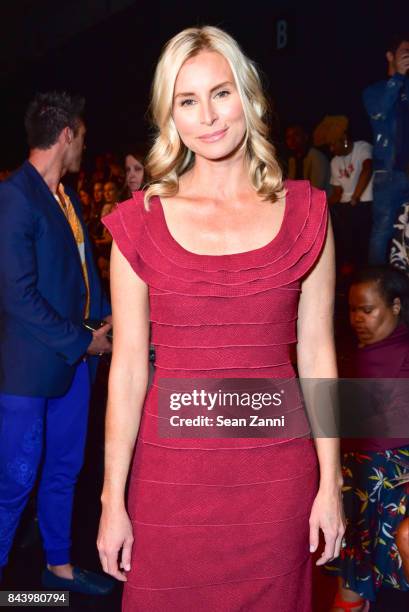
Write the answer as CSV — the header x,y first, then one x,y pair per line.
x,y
42,290
381,103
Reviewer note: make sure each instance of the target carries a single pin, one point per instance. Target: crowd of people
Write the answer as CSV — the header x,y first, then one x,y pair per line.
x,y
99,191
108,182
367,183
199,329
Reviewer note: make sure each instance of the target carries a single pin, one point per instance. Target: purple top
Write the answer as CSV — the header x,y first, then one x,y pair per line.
x,y
388,358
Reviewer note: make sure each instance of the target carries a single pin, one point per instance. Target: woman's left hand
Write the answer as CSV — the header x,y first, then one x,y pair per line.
x,y
327,514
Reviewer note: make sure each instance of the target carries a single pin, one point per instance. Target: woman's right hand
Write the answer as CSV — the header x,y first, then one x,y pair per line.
x,y
115,538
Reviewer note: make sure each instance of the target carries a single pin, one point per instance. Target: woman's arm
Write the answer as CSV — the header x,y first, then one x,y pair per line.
x,y
363,181
128,379
316,360
336,194
335,182
105,239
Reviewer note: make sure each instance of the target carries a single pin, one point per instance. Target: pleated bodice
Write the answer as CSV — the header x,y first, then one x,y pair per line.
x,y
229,315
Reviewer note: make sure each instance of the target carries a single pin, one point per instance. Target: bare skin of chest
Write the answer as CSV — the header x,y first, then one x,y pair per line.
x,y
222,228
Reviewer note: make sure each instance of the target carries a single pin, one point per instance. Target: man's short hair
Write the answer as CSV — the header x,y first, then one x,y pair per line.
x,y
395,41
48,114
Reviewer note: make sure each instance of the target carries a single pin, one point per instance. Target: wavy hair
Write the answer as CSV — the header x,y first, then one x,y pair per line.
x,y
169,158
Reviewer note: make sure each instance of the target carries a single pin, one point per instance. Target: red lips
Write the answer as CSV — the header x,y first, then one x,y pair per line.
x,y
213,135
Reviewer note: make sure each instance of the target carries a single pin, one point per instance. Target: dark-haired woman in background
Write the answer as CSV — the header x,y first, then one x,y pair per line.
x,y
134,173
104,242
374,507
87,204
111,197
95,226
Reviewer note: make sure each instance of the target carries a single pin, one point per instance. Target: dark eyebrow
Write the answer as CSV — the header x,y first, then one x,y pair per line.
x,y
185,94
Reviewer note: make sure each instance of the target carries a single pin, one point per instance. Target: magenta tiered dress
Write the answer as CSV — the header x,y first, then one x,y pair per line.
x,y
221,525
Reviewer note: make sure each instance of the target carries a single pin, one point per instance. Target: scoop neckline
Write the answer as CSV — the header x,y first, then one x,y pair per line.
x,y
172,240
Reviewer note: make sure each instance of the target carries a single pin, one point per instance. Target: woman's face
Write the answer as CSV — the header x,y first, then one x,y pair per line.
x,y
207,108
84,197
133,172
371,317
98,193
110,193
337,146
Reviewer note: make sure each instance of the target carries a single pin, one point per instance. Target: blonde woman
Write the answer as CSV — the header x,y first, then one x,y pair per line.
x,y
221,258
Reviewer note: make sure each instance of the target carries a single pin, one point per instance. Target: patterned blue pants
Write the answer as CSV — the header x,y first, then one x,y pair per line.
x,y
390,191
45,435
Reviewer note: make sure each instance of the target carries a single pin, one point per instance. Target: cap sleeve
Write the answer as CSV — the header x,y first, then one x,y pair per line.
x,y
314,233
144,240
125,224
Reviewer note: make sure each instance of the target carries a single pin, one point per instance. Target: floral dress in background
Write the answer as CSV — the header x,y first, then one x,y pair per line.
x,y
370,558
399,255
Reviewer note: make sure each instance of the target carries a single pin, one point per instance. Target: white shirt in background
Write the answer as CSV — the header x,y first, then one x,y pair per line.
x,y
346,169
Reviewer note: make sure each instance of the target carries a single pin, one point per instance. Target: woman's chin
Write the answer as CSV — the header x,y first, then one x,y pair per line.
x,y
364,338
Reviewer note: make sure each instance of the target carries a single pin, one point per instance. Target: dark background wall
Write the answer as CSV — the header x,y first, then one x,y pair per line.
x,y
107,51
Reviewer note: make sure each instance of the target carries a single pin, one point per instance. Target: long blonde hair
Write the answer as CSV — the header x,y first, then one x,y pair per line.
x,y
169,157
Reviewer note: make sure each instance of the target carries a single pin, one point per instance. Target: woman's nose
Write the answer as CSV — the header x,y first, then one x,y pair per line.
x,y
208,115
357,317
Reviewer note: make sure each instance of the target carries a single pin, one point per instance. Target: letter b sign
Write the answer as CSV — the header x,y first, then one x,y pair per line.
x,y
281,34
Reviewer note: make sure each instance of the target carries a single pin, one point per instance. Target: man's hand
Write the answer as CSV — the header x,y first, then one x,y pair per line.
x,y
402,62
100,343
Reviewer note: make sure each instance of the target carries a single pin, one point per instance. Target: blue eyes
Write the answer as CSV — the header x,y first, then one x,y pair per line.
x,y
191,101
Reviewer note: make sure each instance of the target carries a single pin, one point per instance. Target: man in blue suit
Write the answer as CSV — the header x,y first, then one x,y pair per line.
x,y
387,104
48,286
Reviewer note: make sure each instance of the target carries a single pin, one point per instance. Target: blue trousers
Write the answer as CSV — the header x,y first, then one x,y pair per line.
x,y
46,434
390,191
